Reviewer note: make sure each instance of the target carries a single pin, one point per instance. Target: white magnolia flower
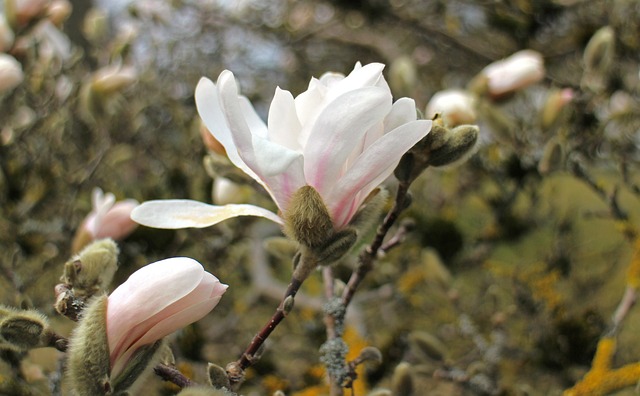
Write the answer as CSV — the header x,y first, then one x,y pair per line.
x,y
343,136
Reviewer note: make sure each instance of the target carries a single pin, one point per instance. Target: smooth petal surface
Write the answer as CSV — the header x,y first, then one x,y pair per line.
x,y
371,168
147,292
208,105
184,213
284,126
190,308
341,126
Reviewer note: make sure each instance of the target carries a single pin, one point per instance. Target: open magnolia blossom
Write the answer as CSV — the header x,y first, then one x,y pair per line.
x,y
343,136
155,301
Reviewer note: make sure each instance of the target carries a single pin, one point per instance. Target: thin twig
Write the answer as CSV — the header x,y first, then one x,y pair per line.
x,y
173,375
369,254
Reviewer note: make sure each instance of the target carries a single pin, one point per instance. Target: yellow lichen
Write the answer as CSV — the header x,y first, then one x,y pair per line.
x,y
601,379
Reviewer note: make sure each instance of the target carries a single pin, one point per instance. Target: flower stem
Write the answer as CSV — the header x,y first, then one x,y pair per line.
x,y
369,254
304,268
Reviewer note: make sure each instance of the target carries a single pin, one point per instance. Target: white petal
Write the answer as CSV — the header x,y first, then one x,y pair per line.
x,y
339,128
284,126
366,76
278,168
183,213
371,168
402,112
208,105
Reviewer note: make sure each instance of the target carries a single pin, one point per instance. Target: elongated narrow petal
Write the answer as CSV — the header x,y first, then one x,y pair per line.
x,y
284,125
208,105
371,168
341,127
278,168
184,213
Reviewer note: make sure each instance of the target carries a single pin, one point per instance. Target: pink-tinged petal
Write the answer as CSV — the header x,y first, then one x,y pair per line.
x,y
284,126
208,105
158,285
116,223
180,313
185,213
339,128
371,168
188,309
279,168
161,329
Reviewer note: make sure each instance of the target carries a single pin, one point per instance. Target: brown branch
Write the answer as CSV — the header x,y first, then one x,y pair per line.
x,y
173,375
235,370
369,254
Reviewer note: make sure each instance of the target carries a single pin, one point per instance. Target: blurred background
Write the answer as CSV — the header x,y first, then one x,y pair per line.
x,y
516,259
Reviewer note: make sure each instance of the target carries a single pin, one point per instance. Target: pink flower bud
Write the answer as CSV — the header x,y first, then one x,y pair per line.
x,y
515,72
155,301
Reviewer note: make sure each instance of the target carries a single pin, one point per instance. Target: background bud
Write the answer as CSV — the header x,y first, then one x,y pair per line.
x,y
10,73
456,107
23,329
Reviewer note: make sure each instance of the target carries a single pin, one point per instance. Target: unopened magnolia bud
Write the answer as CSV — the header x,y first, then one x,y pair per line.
x,y
552,157
6,35
456,107
27,10
369,354
217,377
95,26
556,101
307,218
599,52
337,246
112,79
23,329
459,146
58,11
403,76
427,345
287,305
402,380
516,72
88,362
92,269
10,73
138,365
226,192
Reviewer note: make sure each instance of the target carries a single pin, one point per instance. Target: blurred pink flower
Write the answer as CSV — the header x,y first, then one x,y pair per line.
x,y
343,136
518,71
155,301
110,219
